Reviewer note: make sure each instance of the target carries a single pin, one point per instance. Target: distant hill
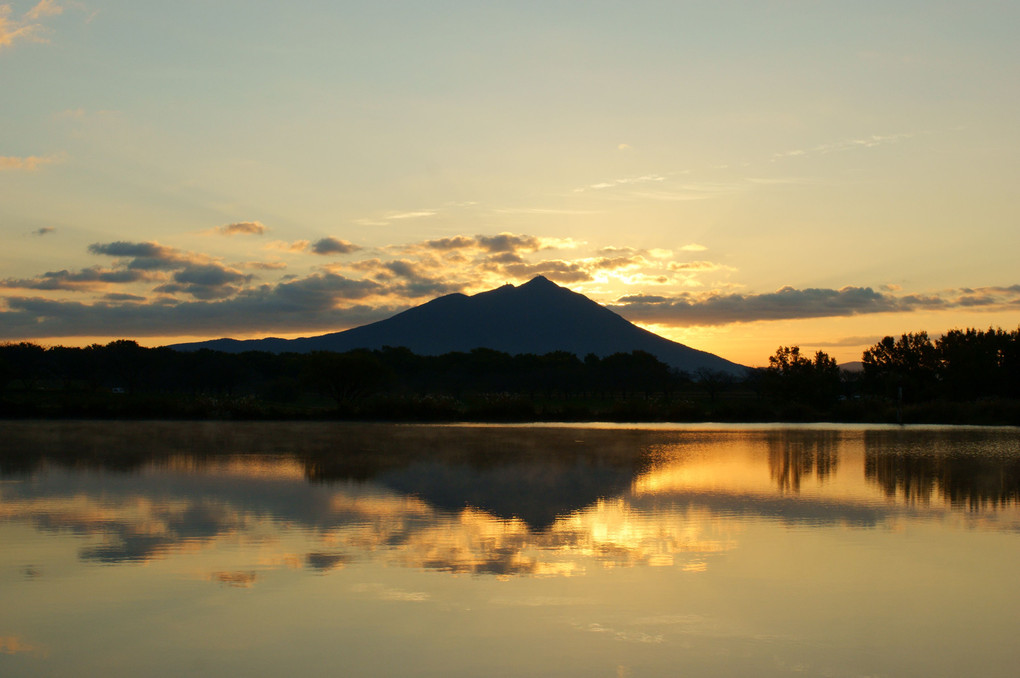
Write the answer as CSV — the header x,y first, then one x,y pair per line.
x,y
538,317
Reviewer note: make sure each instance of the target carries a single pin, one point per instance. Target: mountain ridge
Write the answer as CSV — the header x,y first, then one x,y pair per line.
x,y
536,317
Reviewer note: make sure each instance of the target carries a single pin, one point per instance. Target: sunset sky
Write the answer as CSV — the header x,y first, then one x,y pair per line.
x,y
732,175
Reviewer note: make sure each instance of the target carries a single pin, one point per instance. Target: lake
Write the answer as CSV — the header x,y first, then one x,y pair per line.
x,y
327,549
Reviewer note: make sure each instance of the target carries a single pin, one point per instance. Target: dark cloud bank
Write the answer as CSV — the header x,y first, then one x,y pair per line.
x,y
193,294
311,304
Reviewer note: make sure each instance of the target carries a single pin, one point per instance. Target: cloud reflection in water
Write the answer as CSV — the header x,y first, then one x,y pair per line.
x,y
540,504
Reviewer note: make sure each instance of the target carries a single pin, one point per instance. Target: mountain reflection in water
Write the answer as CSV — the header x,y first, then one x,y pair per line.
x,y
481,500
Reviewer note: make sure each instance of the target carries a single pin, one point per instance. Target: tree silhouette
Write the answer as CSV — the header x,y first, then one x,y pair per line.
x,y
795,377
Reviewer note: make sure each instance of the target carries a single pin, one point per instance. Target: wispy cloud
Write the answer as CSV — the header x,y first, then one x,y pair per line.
x,y
29,163
266,265
284,246
543,210
389,217
420,214
12,30
845,341
45,230
242,228
782,181
625,181
28,26
844,145
43,9
697,266
17,645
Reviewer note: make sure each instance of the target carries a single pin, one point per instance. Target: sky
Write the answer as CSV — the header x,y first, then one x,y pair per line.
x,y
736,176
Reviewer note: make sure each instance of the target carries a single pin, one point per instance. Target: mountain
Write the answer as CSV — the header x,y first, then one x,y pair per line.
x,y
537,317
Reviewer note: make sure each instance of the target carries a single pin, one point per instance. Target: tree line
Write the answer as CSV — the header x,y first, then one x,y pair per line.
x,y
106,376
959,365
122,378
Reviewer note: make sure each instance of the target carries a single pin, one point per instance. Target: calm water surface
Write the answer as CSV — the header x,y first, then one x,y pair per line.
x,y
268,549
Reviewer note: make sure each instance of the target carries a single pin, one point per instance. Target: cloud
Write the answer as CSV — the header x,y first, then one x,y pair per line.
x,y
625,181
206,281
320,291
283,246
410,215
266,265
45,230
149,256
194,274
14,30
544,210
846,341
782,181
491,244
556,270
785,304
844,145
697,266
44,8
152,289
333,246
682,194
318,302
71,114
455,242
28,163
510,242
120,296
693,247
409,278
27,27
242,228
88,278
17,645
399,216
509,256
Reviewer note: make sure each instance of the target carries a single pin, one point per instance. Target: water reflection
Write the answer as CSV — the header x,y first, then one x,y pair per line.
x,y
951,468
793,454
482,501
216,549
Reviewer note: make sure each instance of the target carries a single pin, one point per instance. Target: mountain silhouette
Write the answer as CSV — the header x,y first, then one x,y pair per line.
x,y
537,317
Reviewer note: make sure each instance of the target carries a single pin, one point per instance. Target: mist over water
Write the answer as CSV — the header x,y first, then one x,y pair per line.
x,y
219,548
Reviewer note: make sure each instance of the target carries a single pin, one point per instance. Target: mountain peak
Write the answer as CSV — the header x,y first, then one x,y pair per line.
x,y
542,286
538,317
540,281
